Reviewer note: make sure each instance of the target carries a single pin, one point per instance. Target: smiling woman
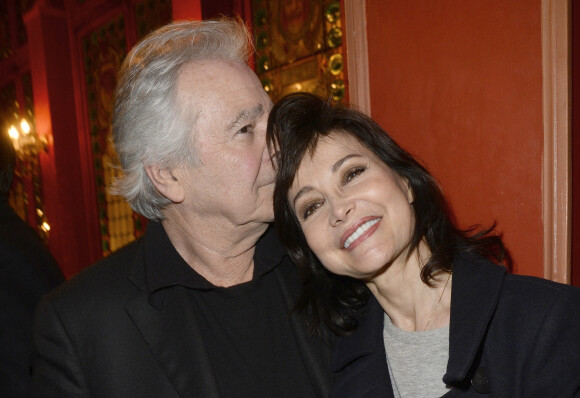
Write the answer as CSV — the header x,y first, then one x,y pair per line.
x,y
346,201
384,267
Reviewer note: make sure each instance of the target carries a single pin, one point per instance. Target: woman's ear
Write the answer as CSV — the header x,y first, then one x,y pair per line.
x,y
168,182
409,191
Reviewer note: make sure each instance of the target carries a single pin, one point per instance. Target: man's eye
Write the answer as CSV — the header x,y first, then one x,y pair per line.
x,y
353,173
309,209
246,129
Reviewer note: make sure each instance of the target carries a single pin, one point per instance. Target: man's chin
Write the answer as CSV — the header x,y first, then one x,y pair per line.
x,y
267,217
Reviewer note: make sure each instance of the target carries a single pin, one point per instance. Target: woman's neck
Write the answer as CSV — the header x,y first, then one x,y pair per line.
x,y
411,304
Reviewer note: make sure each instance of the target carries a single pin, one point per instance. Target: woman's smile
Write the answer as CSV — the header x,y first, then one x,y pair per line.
x,y
362,230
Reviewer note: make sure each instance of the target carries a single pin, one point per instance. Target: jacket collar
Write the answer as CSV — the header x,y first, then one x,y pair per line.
x,y
168,328
171,332
164,266
476,289
366,339
315,350
365,347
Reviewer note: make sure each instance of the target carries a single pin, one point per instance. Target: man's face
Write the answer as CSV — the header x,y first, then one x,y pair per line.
x,y
233,182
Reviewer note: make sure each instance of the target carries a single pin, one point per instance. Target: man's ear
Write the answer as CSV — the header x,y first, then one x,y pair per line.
x,y
168,182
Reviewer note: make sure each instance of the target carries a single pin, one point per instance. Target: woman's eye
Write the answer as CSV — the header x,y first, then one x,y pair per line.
x,y
353,173
309,209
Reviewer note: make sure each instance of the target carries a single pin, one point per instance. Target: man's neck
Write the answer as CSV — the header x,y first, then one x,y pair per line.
x,y
222,255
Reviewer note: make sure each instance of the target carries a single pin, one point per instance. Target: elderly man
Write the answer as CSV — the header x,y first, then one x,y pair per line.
x,y
200,307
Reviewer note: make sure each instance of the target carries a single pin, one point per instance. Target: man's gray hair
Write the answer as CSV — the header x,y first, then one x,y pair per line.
x,y
149,126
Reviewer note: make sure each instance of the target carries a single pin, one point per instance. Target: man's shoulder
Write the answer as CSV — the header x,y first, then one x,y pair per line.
x,y
106,280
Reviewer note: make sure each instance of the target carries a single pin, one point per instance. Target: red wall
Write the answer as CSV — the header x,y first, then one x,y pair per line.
x,y
459,84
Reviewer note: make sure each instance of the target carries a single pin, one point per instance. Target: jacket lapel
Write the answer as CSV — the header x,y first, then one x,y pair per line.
x,y
172,335
315,351
476,288
366,348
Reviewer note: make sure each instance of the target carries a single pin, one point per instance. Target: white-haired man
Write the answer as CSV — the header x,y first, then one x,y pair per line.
x,y
200,307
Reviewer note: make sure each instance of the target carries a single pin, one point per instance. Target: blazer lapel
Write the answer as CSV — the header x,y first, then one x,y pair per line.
x,y
316,353
359,359
172,335
476,288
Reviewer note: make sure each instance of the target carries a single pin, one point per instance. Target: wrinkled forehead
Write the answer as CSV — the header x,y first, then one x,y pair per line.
x,y
214,79
217,89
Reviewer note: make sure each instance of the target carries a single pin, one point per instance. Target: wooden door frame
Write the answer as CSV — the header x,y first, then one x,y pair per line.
x,y
556,95
557,161
357,55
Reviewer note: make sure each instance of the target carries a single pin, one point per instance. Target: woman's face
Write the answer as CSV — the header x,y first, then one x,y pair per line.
x,y
355,212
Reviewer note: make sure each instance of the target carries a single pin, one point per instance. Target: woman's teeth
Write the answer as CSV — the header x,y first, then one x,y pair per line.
x,y
359,231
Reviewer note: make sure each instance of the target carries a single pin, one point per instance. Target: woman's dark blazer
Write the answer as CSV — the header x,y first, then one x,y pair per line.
x,y
510,336
99,335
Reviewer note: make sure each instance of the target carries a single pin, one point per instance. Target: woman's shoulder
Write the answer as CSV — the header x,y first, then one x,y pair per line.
x,y
515,290
538,322
537,295
523,283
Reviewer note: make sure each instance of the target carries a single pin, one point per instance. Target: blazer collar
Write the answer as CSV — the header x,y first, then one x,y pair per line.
x,y
366,339
173,336
171,332
315,351
365,346
476,289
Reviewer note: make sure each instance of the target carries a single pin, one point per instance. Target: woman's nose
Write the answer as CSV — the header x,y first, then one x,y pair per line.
x,y
340,209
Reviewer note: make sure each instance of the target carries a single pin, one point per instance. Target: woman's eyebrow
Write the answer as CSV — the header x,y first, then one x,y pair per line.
x,y
340,161
333,169
304,190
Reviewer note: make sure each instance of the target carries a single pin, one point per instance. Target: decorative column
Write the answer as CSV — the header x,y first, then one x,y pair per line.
x,y
73,239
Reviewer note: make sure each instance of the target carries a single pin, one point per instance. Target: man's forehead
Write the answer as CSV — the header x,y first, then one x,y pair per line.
x,y
207,70
222,93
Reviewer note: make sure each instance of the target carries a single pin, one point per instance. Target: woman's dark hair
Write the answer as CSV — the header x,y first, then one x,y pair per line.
x,y
294,127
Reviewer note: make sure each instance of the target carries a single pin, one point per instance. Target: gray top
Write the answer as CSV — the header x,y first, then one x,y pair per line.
x,y
417,360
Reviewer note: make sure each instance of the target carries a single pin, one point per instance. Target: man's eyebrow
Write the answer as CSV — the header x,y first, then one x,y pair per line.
x,y
246,114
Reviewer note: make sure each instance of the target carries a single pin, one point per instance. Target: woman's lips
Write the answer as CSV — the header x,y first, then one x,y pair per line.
x,y
362,229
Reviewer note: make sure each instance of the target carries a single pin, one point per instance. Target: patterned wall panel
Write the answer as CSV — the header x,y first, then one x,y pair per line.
x,y
103,52
18,197
26,190
34,170
151,14
299,46
22,7
5,45
8,105
16,103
